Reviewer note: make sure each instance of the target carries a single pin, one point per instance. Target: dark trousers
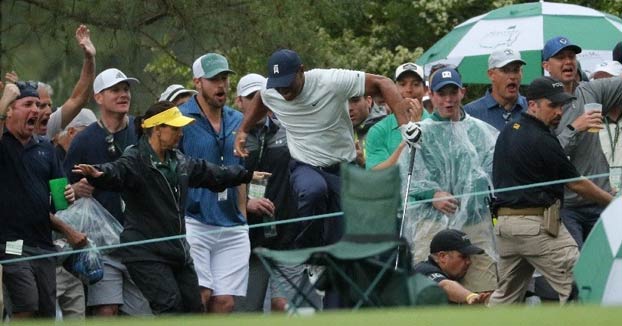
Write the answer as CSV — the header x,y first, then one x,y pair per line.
x,y
318,192
580,220
168,288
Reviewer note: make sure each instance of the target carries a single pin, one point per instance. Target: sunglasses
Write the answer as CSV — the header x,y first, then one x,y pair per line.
x,y
112,149
24,84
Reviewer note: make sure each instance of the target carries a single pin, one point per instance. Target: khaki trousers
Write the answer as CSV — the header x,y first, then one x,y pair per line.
x,y
482,274
523,245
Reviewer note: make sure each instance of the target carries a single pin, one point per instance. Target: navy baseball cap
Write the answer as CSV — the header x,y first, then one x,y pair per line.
x,y
282,68
444,77
548,88
556,44
450,240
27,89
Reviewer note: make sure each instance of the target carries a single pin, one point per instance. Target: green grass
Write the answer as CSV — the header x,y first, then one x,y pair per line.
x,y
580,315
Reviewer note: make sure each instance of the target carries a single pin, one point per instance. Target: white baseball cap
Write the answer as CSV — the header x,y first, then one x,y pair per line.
x,y
109,78
83,119
409,66
500,58
611,67
250,83
173,91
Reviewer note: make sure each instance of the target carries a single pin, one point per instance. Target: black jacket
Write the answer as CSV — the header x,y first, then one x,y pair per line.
x,y
155,208
268,152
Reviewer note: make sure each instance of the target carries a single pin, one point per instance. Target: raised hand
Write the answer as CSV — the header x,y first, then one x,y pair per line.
x,y
83,36
11,77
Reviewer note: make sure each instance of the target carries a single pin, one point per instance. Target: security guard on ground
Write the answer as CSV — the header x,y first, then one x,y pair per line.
x,y
529,233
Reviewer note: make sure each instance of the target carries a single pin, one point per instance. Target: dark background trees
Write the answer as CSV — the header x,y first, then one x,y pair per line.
x,y
157,40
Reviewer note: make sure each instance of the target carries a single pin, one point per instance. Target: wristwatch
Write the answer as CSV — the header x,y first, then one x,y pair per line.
x,y
569,126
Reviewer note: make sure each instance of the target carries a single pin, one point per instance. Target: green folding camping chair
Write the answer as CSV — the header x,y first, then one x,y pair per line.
x,y
361,265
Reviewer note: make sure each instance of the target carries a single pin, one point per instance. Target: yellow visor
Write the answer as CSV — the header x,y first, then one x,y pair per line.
x,y
171,117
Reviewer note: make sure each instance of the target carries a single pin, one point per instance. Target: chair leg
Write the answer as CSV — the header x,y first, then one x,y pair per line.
x,y
364,295
300,293
346,278
374,283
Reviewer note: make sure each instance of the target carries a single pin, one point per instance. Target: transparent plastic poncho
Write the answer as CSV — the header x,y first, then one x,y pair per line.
x,y
454,157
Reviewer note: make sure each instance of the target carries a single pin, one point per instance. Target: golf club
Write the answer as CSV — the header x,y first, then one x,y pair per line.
x,y
411,165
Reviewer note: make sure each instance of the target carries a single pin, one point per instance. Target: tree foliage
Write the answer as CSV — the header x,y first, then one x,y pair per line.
x,y
157,40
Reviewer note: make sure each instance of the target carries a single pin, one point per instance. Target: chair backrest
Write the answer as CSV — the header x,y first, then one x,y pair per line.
x,y
370,201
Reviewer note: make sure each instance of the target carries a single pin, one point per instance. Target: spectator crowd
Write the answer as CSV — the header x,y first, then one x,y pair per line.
x,y
201,170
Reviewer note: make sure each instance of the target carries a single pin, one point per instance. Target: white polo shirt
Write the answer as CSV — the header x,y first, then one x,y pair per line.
x,y
317,122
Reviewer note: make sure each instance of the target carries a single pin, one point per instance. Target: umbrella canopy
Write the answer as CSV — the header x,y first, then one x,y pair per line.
x,y
525,27
598,271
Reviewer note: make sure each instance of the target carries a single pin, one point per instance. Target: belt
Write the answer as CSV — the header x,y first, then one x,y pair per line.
x,y
536,211
331,168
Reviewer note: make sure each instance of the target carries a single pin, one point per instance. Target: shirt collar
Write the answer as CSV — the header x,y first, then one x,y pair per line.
x,y
491,103
436,117
528,118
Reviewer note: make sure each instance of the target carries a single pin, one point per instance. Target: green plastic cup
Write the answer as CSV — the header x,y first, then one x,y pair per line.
x,y
57,189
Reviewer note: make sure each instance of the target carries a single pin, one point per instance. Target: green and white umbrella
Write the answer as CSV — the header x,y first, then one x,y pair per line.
x,y
525,27
598,271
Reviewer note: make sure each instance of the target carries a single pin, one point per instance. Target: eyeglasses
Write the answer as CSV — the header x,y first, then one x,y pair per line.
x,y
112,149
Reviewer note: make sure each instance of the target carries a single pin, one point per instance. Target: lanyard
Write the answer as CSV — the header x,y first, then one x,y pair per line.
x,y
221,144
613,141
262,133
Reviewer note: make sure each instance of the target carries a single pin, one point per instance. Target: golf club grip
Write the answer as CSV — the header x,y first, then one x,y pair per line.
x,y
411,162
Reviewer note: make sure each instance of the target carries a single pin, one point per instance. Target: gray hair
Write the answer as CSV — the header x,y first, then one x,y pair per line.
x,y
47,87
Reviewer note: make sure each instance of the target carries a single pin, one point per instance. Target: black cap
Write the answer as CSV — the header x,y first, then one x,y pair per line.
x,y
448,240
617,52
550,89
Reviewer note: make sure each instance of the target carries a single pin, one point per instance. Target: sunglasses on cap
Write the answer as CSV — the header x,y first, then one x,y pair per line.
x,y
24,84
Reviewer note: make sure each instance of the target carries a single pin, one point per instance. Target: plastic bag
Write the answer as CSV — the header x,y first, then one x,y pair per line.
x,y
86,265
88,216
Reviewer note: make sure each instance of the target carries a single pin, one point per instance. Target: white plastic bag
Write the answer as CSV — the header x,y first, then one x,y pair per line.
x,y
90,217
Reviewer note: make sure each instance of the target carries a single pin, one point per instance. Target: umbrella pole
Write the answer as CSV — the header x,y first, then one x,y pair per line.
x,y
411,165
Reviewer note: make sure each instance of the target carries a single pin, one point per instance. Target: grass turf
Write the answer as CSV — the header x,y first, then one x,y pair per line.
x,y
580,315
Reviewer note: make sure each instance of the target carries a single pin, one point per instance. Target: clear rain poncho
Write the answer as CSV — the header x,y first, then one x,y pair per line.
x,y
455,157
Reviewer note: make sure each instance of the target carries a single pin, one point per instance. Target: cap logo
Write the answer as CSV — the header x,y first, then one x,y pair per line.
x,y
563,41
119,75
275,69
508,52
409,66
557,84
446,74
